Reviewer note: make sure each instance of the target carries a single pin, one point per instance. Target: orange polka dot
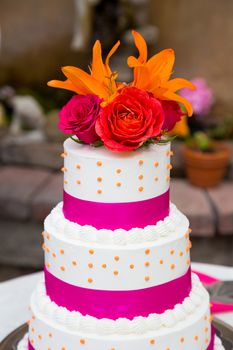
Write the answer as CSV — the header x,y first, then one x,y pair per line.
x,y
48,236
43,233
99,178
116,272
48,265
63,348
62,268
186,235
99,163
104,266
188,262
146,278
131,266
62,251
147,251
206,340
91,251
33,330
50,335
90,265
33,317
113,348
190,244
152,341
118,184
40,337
49,349
74,263
140,162
156,178
118,171
147,263
206,329
196,337
54,255
167,348
43,246
116,258
64,170
90,280
156,164
78,166
99,191
65,182
181,253
64,154
47,249
28,322
169,166
172,266
78,182
82,341
205,318
172,251
182,339
190,230
140,189
140,177
161,262
32,341
168,178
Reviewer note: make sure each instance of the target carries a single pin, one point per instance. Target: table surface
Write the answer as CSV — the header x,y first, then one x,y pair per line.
x,y
15,295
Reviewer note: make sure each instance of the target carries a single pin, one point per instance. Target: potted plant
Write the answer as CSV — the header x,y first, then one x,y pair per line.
x,y
205,160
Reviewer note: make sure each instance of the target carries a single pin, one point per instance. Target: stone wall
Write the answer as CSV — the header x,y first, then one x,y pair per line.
x,y
201,32
35,40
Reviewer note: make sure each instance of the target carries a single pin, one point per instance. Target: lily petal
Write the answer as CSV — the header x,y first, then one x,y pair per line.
x,y
141,46
67,85
179,83
80,78
98,69
162,64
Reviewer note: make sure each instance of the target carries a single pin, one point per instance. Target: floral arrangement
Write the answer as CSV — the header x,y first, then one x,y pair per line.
x,y
121,116
202,98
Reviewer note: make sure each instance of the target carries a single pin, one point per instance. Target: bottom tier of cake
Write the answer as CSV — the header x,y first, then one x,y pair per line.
x,y
187,325
23,344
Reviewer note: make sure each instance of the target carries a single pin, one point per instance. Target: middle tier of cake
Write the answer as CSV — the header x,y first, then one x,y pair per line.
x,y
127,273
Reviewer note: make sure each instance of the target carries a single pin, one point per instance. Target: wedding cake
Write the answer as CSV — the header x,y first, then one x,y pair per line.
x,y
117,272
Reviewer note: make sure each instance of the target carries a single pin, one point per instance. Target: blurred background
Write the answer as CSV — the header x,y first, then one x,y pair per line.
x,y
38,37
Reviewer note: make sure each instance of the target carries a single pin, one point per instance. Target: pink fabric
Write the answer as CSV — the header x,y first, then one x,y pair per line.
x,y
114,304
217,306
116,215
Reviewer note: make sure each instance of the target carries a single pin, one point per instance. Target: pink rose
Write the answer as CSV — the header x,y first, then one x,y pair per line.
x,y
78,117
130,119
172,114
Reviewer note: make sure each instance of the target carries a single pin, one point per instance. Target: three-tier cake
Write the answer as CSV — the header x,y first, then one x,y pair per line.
x,y
117,270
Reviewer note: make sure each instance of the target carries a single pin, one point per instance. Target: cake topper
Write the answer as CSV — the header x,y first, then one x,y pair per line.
x,y
121,116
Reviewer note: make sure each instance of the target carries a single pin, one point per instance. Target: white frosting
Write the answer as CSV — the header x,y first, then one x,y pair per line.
x,y
88,324
121,237
117,260
23,344
118,176
187,325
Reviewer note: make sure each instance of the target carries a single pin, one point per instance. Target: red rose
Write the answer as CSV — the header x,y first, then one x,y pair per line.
x,y
78,117
129,120
172,114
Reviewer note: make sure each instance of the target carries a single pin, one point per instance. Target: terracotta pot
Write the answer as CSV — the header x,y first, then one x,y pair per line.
x,y
206,169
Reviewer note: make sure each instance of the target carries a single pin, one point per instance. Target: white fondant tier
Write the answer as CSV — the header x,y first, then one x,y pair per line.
x,y
117,260
188,324
98,175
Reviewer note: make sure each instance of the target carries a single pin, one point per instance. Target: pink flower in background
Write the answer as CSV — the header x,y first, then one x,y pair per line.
x,y
202,98
172,114
78,117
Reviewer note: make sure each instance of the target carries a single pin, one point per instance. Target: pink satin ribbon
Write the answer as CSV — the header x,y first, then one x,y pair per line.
x,y
114,304
116,215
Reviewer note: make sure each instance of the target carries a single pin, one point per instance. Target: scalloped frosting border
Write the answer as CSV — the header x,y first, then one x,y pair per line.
x,y
120,237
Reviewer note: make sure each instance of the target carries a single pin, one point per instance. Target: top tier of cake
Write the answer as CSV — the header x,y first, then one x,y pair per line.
x,y
127,189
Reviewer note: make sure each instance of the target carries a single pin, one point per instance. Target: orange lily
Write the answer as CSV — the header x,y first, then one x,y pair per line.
x,y
101,81
153,75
